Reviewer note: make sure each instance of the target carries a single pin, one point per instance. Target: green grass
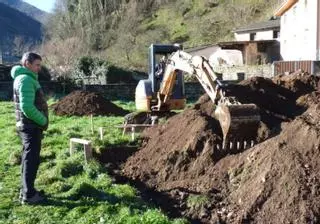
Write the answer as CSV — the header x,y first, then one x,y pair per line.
x,y
79,192
127,105
197,201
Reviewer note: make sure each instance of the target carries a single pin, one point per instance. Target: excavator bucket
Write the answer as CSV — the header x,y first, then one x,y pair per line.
x,y
239,125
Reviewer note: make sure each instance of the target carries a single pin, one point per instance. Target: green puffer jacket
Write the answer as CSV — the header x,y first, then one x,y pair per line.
x,y
30,104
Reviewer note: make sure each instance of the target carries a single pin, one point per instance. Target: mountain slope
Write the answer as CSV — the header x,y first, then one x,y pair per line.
x,y
13,22
190,22
28,9
18,33
121,31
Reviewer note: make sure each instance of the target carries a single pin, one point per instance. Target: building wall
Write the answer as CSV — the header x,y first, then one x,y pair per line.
x,y
242,36
299,31
260,35
250,54
264,35
318,33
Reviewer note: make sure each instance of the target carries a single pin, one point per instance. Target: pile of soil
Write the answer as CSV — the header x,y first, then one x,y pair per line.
x,y
276,98
82,103
276,181
299,83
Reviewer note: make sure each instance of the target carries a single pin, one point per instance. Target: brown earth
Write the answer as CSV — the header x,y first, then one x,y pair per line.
x,y
276,181
82,103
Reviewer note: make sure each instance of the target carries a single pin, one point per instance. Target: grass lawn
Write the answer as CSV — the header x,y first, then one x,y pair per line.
x,y
78,193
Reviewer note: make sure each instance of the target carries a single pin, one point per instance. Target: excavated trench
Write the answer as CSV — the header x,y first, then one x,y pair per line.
x,y
179,169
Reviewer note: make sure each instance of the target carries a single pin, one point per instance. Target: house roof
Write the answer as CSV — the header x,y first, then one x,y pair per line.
x,y
230,43
241,44
205,51
285,7
265,25
197,48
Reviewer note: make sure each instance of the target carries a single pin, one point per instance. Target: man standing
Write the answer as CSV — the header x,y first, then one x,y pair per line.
x,y
32,119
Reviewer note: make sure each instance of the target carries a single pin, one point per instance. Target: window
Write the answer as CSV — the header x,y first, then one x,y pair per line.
x,y
306,6
294,11
276,34
306,37
253,36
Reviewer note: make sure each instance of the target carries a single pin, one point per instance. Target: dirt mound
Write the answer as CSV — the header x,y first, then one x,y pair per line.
x,y
276,98
299,83
278,181
178,144
180,158
308,100
81,103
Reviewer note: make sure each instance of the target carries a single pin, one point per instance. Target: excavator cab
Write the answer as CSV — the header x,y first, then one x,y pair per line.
x,y
146,90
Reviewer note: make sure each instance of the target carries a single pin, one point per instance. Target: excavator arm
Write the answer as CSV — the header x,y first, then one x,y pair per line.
x,y
193,65
239,122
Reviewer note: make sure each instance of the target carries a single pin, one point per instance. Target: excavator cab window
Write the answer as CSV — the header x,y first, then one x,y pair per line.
x,y
160,67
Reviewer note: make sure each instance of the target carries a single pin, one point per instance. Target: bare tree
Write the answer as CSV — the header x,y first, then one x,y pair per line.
x,y
21,45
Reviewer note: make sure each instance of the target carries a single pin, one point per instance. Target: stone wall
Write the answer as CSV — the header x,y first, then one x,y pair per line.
x,y
230,73
6,90
50,88
127,91
112,92
193,90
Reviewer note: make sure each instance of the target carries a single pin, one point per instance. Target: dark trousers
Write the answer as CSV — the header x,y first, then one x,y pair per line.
x,y
31,141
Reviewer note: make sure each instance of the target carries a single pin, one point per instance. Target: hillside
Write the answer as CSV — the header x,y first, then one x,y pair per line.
x,y
121,32
26,8
18,32
15,22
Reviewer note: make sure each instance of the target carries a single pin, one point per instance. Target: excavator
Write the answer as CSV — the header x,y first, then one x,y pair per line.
x,y
164,91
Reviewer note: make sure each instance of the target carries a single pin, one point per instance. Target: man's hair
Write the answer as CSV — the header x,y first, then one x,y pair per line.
x,y
30,57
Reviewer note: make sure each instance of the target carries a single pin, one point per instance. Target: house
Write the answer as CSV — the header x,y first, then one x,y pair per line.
x,y
300,30
255,52
258,42
266,30
300,36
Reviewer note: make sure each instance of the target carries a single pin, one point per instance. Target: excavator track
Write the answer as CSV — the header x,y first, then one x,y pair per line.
x,y
239,124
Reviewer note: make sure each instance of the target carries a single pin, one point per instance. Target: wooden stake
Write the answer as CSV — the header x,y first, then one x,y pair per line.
x,y
92,131
71,147
101,133
133,132
87,152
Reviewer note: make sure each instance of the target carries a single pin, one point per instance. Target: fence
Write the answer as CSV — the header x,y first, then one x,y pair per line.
x,y
282,67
